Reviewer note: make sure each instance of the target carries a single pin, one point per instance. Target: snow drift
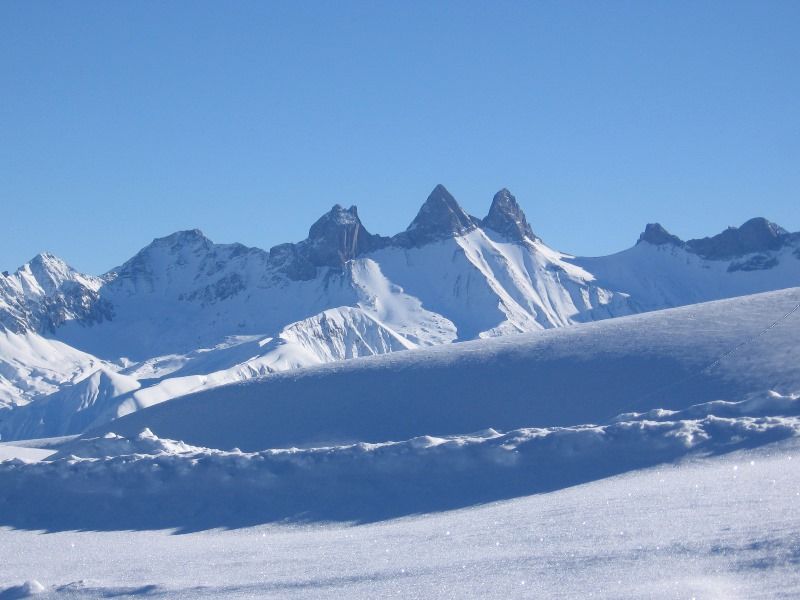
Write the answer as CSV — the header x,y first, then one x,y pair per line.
x,y
113,482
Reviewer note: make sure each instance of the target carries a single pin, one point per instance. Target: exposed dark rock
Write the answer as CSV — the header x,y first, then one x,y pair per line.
x,y
338,237
655,234
759,262
287,259
507,218
756,235
334,239
440,218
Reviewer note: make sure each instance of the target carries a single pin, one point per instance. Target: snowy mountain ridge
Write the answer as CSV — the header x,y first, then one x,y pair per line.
x,y
185,314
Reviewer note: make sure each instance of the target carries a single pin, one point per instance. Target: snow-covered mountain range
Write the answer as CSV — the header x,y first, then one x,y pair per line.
x,y
185,314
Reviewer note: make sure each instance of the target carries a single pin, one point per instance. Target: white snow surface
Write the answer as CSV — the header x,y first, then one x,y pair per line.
x,y
721,527
647,456
33,366
661,276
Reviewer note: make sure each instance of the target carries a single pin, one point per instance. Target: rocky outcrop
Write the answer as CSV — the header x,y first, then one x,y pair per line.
x,y
756,235
507,218
440,218
656,235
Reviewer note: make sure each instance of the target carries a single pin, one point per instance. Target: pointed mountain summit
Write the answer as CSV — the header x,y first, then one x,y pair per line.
x,y
45,292
49,271
440,217
337,237
655,234
755,235
507,218
181,247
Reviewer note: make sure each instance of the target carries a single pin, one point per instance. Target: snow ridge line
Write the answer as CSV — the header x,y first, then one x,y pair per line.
x,y
709,367
750,340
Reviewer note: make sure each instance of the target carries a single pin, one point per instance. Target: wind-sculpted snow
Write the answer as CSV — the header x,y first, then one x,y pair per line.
x,y
113,482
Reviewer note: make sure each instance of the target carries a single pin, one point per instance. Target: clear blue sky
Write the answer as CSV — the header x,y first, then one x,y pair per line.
x,y
123,121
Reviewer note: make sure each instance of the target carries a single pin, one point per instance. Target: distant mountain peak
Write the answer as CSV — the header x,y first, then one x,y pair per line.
x,y
507,217
337,237
338,216
182,237
755,235
440,217
655,234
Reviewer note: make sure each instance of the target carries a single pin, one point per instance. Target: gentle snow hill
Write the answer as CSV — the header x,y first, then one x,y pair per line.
x,y
588,373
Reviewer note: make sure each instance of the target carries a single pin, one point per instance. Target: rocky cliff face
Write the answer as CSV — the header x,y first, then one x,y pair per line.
x,y
439,218
506,218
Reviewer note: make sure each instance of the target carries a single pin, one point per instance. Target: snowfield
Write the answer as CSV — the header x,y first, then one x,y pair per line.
x,y
648,456
722,527
114,482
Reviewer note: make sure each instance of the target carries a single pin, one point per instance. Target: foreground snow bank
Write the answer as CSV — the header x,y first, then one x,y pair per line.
x,y
721,527
113,482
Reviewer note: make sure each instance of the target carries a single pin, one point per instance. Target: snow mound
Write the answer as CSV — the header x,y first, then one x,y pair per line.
x,y
111,444
26,590
755,405
90,400
115,482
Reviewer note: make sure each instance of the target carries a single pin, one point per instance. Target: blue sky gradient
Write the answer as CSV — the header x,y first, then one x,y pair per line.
x,y
121,122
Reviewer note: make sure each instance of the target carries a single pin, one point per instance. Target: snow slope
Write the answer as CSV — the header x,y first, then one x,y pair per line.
x,y
583,374
646,456
33,366
105,395
660,276
112,482
721,527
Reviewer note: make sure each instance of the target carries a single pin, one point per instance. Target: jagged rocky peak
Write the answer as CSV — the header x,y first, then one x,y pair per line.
x,y
756,235
441,217
507,218
337,237
654,233
48,270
